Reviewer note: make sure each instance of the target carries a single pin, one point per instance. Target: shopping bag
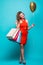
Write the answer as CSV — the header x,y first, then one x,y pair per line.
x,y
15,36
12,33
19,37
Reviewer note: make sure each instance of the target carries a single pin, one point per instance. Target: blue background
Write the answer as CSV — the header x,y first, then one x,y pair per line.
x,y
10,51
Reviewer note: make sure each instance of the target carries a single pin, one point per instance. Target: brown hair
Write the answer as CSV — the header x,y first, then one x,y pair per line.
x,y
17,16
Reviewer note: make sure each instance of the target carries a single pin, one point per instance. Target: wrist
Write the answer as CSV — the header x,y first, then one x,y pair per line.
x,y
31,26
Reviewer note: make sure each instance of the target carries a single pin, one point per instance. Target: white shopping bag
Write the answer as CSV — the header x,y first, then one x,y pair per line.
x,y
12,33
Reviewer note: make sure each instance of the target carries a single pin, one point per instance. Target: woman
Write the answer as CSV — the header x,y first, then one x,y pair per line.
x,y
22,23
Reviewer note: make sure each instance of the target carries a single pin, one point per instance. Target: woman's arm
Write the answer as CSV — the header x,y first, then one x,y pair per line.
x,y
31,26
17,24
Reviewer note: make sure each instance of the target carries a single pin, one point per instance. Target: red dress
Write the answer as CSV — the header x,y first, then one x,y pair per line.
x,y
24,31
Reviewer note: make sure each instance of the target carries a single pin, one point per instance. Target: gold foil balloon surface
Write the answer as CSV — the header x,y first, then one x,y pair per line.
x,y
32,6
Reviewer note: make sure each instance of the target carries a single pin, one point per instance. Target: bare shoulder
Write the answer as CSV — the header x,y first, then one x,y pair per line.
x,y
20,21
26,20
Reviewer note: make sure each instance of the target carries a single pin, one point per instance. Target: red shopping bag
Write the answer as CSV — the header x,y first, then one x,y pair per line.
x,y
16,36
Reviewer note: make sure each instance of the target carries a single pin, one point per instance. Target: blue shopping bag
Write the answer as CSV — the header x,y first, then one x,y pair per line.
x,y
19,37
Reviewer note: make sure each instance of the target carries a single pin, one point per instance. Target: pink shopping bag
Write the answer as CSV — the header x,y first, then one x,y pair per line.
x,y
16,36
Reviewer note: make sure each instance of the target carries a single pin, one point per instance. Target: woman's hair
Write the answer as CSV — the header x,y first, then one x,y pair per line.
x,y
17,16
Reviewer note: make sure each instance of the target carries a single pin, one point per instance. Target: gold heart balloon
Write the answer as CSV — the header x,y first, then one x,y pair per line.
x,y
32,6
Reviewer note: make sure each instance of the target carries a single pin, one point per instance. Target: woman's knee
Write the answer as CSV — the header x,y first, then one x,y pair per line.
x,y
21,46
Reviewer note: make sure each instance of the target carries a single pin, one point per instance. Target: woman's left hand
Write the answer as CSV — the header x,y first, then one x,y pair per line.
x,y
33,25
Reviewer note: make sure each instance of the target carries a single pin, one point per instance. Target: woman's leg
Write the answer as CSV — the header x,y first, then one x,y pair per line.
x,y
20,57
22,52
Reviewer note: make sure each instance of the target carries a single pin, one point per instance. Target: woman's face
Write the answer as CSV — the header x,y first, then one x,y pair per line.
x,y
22,15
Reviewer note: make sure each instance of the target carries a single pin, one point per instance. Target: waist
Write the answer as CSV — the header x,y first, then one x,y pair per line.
x,y
24,31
